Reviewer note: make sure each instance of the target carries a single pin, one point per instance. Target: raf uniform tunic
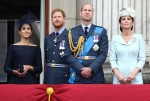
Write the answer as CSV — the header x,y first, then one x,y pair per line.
x,y
95,64
55,75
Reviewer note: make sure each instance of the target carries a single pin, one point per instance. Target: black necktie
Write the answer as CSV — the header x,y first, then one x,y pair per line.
x,y
86,30
57,35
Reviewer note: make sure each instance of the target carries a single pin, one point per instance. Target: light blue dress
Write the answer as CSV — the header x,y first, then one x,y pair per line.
x,y
126,57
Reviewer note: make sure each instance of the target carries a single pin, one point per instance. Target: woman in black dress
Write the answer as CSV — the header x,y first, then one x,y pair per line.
x,y
23,61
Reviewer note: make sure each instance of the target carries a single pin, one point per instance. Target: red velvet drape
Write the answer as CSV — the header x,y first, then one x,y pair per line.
x,y
75,92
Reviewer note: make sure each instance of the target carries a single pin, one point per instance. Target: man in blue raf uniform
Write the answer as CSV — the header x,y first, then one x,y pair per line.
x,y
88,50
57,70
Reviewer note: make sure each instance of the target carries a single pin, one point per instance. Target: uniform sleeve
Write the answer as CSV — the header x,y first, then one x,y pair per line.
x,y
72,61
141,58
100,59
113,57
38,65
8,67
45,48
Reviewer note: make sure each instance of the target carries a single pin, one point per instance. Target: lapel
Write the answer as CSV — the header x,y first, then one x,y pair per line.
x,y
81,31
91,31
51,38
62,36
119,39
134,39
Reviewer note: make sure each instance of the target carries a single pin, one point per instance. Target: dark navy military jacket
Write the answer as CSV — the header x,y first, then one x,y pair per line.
x,y
95,64
55,75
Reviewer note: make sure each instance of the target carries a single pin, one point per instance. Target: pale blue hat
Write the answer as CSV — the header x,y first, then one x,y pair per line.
x,y
127,12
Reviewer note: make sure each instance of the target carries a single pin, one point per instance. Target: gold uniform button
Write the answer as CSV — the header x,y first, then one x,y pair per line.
x,y
52,65
86,58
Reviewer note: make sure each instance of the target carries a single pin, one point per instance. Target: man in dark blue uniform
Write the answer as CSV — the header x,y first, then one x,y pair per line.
x,y
57,70
88,50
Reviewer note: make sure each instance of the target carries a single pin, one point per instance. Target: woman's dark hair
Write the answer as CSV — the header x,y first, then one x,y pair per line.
x,y
20,26
120,22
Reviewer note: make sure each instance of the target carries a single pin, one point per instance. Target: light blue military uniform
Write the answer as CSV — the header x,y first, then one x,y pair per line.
x,y
126,57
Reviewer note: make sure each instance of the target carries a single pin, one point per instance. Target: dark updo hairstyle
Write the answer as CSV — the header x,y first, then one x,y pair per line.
x,y
20,26
26,19
120,22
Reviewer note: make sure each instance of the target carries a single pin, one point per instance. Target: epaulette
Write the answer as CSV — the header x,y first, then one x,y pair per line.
x,y
75,28
99,26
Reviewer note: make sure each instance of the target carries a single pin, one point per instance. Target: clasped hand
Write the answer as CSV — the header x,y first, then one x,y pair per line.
x,y
25,70
86,72
126,81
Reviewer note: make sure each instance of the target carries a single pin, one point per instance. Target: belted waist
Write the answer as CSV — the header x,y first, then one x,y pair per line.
x,y
86,57
56,65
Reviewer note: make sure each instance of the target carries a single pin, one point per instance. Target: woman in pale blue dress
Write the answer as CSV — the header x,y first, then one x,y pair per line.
x,y
127,51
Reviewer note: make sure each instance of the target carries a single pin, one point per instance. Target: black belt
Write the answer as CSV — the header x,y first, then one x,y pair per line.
x,y
86,57
56,65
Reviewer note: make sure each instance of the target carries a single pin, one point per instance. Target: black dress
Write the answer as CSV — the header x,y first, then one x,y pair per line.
x,y
19,55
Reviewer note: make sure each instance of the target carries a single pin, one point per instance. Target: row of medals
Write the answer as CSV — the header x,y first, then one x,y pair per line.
x,y
95,46
95,40
62,45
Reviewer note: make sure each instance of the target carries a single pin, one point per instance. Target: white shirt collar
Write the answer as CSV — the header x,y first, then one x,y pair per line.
x,y
83,26
61,30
